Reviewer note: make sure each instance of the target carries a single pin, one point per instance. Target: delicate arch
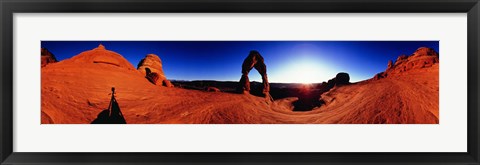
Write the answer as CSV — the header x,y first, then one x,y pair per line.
x,y
254,60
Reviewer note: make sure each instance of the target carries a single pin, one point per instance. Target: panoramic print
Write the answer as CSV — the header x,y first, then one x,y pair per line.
x,y
239,82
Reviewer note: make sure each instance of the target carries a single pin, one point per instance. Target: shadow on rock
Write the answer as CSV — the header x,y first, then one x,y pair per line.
x,y
112,115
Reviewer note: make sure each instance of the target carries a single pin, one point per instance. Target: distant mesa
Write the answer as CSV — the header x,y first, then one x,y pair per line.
x,y
254,60
100,55
47,57
151,67
423,57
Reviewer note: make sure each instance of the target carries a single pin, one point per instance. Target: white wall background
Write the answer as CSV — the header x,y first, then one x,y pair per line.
x,y
448,136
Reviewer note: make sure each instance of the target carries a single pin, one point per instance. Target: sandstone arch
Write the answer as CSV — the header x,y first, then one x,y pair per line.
x,y
254,60
151,66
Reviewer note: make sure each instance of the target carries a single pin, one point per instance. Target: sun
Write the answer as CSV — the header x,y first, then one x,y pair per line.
x,y
305,71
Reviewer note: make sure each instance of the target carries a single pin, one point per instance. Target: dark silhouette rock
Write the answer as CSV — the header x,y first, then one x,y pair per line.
x,y
47,57
330,83
254,60
342,79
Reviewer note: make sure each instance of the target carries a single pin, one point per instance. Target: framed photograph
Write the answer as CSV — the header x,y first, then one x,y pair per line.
x,y
239,82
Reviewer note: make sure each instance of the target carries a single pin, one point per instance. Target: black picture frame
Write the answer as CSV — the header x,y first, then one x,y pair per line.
x,y
9,7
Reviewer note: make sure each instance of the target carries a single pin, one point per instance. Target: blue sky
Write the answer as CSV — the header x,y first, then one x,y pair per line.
x,y
287,61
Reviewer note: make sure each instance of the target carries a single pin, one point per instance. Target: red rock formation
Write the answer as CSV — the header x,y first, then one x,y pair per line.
x,y
423,57
152,64
379,76
212,89
390,64
47,57
167,83
152,77
254,60
102,56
